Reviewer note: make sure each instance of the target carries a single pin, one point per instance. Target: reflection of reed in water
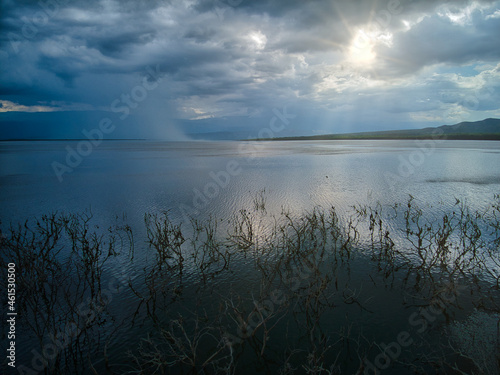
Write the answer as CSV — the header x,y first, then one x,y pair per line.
x,y
478,340
310,268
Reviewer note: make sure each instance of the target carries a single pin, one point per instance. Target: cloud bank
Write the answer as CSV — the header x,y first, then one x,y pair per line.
x,y
226,64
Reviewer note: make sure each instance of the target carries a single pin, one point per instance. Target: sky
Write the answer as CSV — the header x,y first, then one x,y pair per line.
x,y
238,69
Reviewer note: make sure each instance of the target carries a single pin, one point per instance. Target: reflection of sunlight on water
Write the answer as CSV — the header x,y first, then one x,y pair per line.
x,y
144,177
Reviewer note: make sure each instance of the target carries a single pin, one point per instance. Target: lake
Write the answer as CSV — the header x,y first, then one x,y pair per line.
x,y
346,289
145,176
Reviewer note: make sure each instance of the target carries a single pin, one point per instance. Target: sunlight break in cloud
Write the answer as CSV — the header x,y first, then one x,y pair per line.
x,y
356,64
8,106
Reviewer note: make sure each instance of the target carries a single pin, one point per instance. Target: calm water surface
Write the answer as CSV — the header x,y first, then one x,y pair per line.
x,y
144,176
123,180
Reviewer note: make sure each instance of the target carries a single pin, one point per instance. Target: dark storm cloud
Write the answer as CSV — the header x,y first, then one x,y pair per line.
x,y
224,58
115,45
436,40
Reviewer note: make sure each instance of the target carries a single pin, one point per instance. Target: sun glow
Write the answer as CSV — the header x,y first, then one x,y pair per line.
x,y
361,50
258,40
363,47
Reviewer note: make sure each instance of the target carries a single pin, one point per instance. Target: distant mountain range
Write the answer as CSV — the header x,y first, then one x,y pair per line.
x,y
488,129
